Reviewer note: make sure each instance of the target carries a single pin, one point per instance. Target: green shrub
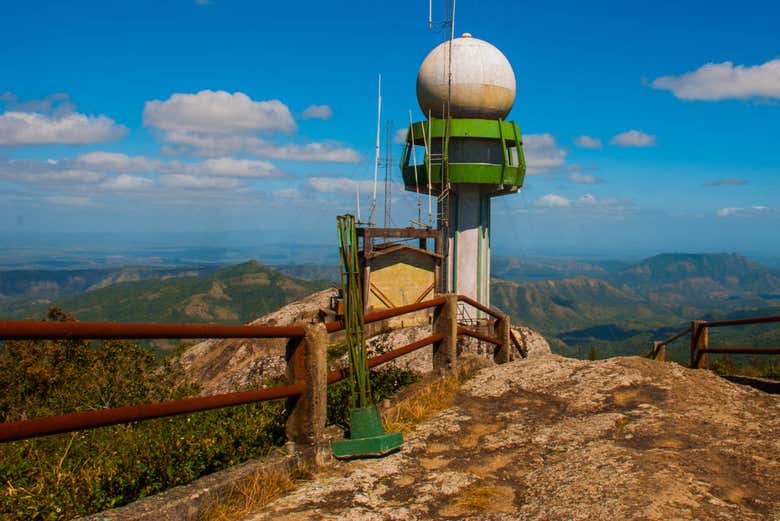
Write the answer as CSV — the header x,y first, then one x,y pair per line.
x,y
384,383
69,475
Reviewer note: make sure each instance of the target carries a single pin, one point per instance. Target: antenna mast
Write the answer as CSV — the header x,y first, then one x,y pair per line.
x,y
372,213
388,187
448,29
416,179
357,201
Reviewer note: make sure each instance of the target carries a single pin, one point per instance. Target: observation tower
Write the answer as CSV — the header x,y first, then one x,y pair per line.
x,y
465,153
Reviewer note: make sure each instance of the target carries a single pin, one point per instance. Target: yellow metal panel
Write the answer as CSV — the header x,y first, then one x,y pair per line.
x,y
400,278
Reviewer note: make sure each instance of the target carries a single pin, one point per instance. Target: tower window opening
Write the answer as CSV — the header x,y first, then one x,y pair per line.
x,y
476,150
513,160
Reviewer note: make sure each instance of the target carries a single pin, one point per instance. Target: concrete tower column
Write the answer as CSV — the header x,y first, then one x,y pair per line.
x,y
468,242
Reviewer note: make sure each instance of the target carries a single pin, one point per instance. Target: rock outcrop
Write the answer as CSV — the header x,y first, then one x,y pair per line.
x,y
555,438
220,366
227,365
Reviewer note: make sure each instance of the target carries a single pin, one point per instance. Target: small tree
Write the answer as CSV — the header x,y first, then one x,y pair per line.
x,y
593,354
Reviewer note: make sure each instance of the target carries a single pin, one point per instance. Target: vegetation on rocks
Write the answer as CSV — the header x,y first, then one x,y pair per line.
x,y
73,474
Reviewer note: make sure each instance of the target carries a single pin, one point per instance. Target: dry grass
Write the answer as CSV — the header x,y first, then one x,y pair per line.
x,y
476,499
429,399
254,492
485,499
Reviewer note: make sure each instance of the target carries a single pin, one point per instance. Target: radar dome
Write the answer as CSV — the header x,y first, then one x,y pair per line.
x,y
483,83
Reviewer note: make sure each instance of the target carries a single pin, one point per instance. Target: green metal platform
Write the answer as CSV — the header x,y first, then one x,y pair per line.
x,y
367,436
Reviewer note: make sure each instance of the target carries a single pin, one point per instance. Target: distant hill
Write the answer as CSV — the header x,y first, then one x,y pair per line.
x,y
623,311
49,284
517,268
233,294
311,271
554,306
710,272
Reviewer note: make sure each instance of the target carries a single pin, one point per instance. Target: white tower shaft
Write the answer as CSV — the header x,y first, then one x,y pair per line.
x,y
468,243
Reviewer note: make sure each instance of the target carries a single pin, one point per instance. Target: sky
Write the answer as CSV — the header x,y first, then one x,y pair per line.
x,y
648,127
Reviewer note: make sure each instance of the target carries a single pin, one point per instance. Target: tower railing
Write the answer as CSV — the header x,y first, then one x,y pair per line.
x,y
302,389
700,338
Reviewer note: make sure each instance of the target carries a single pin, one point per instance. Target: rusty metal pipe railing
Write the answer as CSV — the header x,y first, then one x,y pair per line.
x,y
479,336
383,314
481,307
675,337
742,321
340,374
18,430
28,329
741,350
37,330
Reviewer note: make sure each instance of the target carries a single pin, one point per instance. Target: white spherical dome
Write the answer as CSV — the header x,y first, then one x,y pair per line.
x,y
483,83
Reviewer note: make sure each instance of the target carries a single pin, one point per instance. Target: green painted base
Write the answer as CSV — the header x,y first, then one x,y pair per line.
x,y
367,436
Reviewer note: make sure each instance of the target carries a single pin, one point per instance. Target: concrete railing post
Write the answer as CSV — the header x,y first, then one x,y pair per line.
x,y
699,340
503,330
445,321
307,366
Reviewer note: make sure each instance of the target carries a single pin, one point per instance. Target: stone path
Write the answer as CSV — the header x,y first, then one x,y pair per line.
x,y
553,438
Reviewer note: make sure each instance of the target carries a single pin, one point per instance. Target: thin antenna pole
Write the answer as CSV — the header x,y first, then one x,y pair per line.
x,y
357,201
414,160
452,21
428,166
388,160
430,14
372,213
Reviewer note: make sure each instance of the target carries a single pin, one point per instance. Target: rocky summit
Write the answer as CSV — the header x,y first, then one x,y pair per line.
x,y
550,438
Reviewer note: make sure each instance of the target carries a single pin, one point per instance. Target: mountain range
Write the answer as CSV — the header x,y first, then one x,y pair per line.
x,y
614,306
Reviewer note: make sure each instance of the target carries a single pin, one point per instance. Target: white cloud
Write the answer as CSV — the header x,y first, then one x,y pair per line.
x,y
57,104
127,182
199,182
608,205
33,128
323,112
218,112
400,135
586,202
633,138
287,193
222,167
726,182
588,142
340,185
226,167
217,145
552,201
542,153
743,212
582,179
719,81
117,162
47,173
68,200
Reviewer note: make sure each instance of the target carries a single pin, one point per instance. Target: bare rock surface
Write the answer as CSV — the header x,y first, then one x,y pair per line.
x,y
534,343
221,366
555,438
235,363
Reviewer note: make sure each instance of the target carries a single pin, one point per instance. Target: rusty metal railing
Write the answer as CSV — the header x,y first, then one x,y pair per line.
x,y
37,330
699,340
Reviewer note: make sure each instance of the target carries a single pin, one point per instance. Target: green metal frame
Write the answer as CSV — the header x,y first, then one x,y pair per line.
x,y
507,177
367,436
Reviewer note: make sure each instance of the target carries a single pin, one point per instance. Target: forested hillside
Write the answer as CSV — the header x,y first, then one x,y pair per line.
x,y
233,294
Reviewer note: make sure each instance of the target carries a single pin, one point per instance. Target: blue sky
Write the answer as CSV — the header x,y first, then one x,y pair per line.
x,y
648,127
